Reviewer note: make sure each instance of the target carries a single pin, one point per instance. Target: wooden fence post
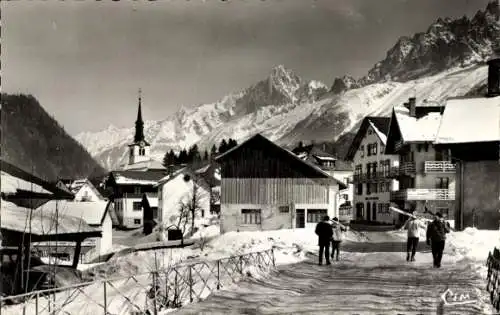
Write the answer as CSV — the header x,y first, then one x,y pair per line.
x,y
36,303
155,309
105,298
190,284
218,274
241,264
272,256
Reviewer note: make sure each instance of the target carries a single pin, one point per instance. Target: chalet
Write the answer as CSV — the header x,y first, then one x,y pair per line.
x,y
134,192
426,173
470,129
84,191
265,187
129,190
181,189
341,170
372,169
210,173
96,214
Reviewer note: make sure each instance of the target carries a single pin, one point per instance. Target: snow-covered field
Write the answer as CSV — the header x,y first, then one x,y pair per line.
x,y
290,246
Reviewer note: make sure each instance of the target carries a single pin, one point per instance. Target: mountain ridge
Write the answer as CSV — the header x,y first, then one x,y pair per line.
x,y
288,109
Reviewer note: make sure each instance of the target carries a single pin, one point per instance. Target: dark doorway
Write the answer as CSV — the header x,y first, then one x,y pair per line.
x,y
300,219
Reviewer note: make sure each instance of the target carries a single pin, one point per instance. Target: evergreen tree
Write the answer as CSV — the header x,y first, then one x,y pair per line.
x,y
223,146
213,151
206,157
183,157
194,154
232,143
169,158
301,145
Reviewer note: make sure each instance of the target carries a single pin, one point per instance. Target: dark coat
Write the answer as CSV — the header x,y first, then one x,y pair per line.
x,y
437,230
324,232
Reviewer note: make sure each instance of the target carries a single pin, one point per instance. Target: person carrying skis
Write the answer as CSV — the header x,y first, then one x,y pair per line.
x,y
337,237
324,232
436,237
414,226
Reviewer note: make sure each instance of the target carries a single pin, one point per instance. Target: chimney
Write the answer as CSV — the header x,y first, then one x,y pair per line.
x,y
412,104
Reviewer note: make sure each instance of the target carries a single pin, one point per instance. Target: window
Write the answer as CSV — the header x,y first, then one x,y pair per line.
x,y
442,182
137,190
368,189
375,145
137,221
315,215
382,187
359,189
368,150
251,216
362,150
381,208
358,169
142,151
370,131
137,206
374,188
284,209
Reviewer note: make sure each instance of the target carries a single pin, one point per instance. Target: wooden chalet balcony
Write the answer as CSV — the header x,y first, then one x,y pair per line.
x,y
439,167
423,194
392,172
407,168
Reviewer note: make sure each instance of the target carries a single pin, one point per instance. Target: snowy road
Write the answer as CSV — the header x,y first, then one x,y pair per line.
x,y
372,278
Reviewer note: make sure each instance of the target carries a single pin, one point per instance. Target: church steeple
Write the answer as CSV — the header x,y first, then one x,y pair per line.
x,y
139,124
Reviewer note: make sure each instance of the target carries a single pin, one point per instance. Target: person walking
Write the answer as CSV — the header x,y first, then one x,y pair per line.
x,y
436,237
414,227
337,237
324,232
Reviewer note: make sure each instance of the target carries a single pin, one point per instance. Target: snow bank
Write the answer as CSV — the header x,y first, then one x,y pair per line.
x,y
291,246
473,244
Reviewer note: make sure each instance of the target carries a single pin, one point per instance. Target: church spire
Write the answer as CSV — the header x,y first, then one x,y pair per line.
x,y
139,124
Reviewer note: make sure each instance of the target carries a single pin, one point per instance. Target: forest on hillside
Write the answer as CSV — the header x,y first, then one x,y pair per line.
x,y
33,140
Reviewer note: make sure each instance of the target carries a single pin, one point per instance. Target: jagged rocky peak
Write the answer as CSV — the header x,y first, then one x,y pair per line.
x,y
445,44
343,84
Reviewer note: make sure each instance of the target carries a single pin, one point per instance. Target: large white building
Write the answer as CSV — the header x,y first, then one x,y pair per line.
x,y
372,180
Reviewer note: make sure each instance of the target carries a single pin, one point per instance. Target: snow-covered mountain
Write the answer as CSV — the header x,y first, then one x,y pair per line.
x,y
287,109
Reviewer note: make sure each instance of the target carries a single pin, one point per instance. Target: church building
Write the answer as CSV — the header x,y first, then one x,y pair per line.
x,y
133,184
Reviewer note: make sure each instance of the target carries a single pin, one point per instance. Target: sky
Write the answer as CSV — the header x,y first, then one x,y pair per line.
x,y
85,60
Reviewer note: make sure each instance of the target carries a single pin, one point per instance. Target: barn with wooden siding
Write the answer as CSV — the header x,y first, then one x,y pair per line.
x,y
265,187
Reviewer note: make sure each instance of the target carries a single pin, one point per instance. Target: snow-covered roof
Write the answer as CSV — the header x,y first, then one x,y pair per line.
x,y
417,130
10,184
137,177
15,218
379,133
325,158
91,212
470,120
144,165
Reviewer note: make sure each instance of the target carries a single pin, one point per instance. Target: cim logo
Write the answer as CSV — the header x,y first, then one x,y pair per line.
x,y
450,298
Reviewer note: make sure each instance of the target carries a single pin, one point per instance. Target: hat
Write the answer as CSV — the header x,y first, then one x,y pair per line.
x,y
336,219
439,215
326,218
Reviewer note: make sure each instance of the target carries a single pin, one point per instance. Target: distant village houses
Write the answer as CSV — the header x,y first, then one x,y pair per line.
x,y
338,168
265,187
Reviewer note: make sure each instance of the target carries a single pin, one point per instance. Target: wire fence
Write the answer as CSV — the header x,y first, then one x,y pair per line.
x,y
150,293
493,285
